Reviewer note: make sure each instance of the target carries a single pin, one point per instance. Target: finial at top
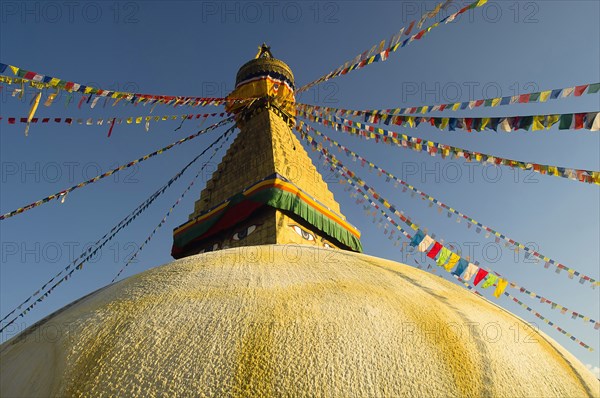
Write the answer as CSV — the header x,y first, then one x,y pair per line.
x,y
264,51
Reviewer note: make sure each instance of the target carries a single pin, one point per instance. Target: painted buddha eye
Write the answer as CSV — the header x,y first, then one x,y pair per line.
x,y
244,232
304,234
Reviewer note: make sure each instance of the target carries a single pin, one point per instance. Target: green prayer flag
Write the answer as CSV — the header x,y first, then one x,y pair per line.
x,y
526,122
594,88
565,121
489,281
488,102
444,256
534,97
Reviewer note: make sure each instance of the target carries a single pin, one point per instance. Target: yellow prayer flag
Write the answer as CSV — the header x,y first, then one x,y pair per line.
x,y
484,123
138,120
496,101
545,95
14,69
456,106
34,107
538,123
444,123
480,3
51,98
129,120
551,121
452,262
500,287
54,82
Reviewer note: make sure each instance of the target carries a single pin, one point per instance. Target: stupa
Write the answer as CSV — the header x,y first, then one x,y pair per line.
x,y
270,296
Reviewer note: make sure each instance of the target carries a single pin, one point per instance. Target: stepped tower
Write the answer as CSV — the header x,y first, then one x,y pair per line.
x,y
266,190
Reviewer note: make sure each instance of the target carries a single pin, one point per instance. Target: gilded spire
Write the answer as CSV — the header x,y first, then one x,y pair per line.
x,y
264,51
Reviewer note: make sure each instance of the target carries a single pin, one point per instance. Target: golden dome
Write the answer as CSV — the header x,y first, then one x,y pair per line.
x,y
264,63
280,320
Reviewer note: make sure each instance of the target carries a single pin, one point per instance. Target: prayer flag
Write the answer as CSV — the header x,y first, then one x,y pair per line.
x,y
480,275
434,250
500,287
452,262
489,281
471,270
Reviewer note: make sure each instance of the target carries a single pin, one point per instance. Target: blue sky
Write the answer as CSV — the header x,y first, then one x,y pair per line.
x,y
195,48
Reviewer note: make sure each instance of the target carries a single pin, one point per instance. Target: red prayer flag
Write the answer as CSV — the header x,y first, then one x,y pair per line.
x,y
524,98
11,120
463,10
29,75
468,124
480,276
112,124
579,118
420,34
434,250
580,89
409,28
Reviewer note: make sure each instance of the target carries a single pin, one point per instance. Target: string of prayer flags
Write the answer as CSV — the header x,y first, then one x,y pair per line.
x,y
395,44
569,121
164,219
112,120
432,148
420,237
445,257
40,82
111,172
553,305
548,322
448,259
442,206
501,285
540,96
77,264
